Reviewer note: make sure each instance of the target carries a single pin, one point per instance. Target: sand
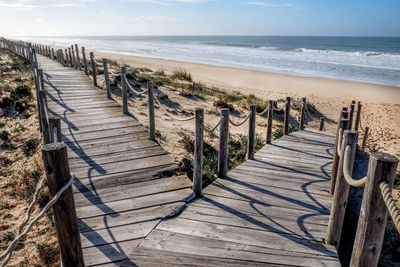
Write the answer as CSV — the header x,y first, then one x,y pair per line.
x,y
381,104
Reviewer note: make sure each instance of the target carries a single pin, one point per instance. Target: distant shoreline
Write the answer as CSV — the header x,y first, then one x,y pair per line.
x,y
260,82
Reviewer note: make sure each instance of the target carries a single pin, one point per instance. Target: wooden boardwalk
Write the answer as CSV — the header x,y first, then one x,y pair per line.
x,y
273,210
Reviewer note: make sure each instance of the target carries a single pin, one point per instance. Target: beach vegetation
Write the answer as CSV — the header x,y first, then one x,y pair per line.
x,y
160,136
4,135
279,133
397,180
21,91
8,237
160,72
6,102
182,74
30,147
48,253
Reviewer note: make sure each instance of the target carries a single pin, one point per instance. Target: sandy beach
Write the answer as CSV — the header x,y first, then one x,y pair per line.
x,y
380,104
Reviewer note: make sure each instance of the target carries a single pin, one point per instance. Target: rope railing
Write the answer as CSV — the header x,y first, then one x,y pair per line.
x,y
240,123
347,170
12,246
133,89
212,129
97,63
281,108
263,112
390,203
340,141
167,112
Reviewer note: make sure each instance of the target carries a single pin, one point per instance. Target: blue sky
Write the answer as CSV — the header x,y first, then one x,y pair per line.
x,y
199,17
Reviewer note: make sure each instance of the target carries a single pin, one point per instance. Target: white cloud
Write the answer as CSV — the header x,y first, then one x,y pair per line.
x,y
27,4
267,4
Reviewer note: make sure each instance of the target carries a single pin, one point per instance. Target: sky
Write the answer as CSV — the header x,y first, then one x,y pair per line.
x,y
199,17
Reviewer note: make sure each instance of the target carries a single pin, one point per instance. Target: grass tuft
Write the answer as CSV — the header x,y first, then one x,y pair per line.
x,y
182,74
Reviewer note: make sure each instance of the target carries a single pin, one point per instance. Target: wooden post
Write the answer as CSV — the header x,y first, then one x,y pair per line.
x,y
73,57
341,191
54,130
351,114
44,116
124,91
71,62
364,140
358,116
373,215
287,116
84,60
37,86
106,78
66,58
342,124
198,153
302,113
252,132
93,69
55,161
78,60
152,122
322,124
270,121
52,53
223,143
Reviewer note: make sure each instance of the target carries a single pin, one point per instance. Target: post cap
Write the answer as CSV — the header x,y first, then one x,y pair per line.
x,y
381,156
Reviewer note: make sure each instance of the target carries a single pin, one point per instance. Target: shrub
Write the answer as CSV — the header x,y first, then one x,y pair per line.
x,y
21,91
4,135
8,237
48,253
279,133
221,103
6,102
20,105
30,146
44,198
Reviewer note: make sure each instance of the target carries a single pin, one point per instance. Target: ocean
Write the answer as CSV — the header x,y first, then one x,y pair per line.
x,y
365,59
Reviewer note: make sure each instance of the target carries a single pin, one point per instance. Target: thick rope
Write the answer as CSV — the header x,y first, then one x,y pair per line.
x,y
264,111
13,245
112,73
212,129
281,108
390,204
347,171
240,123
97,63
168,113
131,88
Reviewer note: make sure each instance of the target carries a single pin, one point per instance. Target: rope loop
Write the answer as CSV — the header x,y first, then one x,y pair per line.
x,y
212,129
281,108
131,88
390,203
240,123
347,171
264,111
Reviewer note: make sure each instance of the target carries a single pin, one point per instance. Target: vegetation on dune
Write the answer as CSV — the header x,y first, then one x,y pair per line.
x,y
182,74
21,166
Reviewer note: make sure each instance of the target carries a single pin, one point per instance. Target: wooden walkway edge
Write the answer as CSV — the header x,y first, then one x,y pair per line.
x,y
272,210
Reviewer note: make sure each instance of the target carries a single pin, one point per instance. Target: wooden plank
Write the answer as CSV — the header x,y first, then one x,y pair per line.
x,y
169,241
133,203
109,253
117,234
289,243
115,193
128,217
